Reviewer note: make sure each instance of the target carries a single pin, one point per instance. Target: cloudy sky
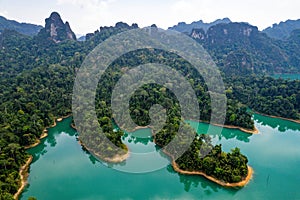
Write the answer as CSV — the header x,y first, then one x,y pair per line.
x,y
88,15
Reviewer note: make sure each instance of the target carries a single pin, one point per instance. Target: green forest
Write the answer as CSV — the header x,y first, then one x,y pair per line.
x,y
36,84
228,167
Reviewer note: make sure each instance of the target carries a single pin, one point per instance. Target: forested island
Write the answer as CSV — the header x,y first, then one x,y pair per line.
x,y
37,76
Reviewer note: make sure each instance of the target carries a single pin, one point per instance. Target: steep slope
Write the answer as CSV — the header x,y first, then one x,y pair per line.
x,y
239,48
187,28
56,30
23,28
282,30
36,81
292,47
93,39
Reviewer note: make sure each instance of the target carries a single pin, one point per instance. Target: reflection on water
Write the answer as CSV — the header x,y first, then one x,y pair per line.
x,y
138,137
92,158
144,155
50,140
225,133
62,170
275,123
190,181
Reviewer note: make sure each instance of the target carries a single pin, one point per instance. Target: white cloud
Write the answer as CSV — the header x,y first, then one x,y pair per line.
x,y
256,12
4,13
88,15
86,3
182,6
85,15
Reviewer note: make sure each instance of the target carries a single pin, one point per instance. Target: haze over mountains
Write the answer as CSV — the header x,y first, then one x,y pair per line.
x,y
37,73
24,28
187,28
282,30
237,48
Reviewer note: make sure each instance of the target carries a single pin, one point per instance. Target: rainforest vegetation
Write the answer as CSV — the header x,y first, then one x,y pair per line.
x,y
36,82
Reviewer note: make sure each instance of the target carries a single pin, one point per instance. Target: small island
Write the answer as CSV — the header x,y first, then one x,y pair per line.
x,y
226,169
203,158
211,178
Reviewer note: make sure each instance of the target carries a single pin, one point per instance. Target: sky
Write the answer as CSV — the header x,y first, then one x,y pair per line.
x,y
86,16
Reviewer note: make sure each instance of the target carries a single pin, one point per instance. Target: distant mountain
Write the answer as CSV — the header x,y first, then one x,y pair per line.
x,y
187,28
101,34
23,28
239,48
292,46
81,38
56,30
282,30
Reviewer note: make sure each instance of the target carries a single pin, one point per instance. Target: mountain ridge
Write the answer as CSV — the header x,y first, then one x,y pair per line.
x,y
187,28
240,48
21,27
237,47
282,30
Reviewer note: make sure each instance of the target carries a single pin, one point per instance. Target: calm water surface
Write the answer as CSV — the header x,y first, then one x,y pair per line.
x,y
287,76
63,170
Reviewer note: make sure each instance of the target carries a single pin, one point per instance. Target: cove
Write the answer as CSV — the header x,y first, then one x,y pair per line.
x,y
287,76
61,169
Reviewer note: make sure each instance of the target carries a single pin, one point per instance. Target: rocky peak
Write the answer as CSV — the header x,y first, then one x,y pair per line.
x,y
119,27
122,25
188,28
56,30
198,34
231,33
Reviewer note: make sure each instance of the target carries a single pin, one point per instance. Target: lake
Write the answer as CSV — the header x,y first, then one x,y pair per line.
x,y
62,170
287,76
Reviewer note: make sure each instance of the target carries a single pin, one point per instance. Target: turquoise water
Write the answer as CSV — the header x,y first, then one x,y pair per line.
x,y
63,170
287,76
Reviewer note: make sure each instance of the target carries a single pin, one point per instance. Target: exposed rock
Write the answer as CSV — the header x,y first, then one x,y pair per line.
x,y
198,34
135,25
241,48
119,27
122,25
231,33
56,30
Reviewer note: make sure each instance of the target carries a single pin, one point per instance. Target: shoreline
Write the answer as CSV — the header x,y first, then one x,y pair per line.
x,y
139,128
120,158
242,183
44,135
45,132
116,159
135,128
255,131
277,117
23,173
224,184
